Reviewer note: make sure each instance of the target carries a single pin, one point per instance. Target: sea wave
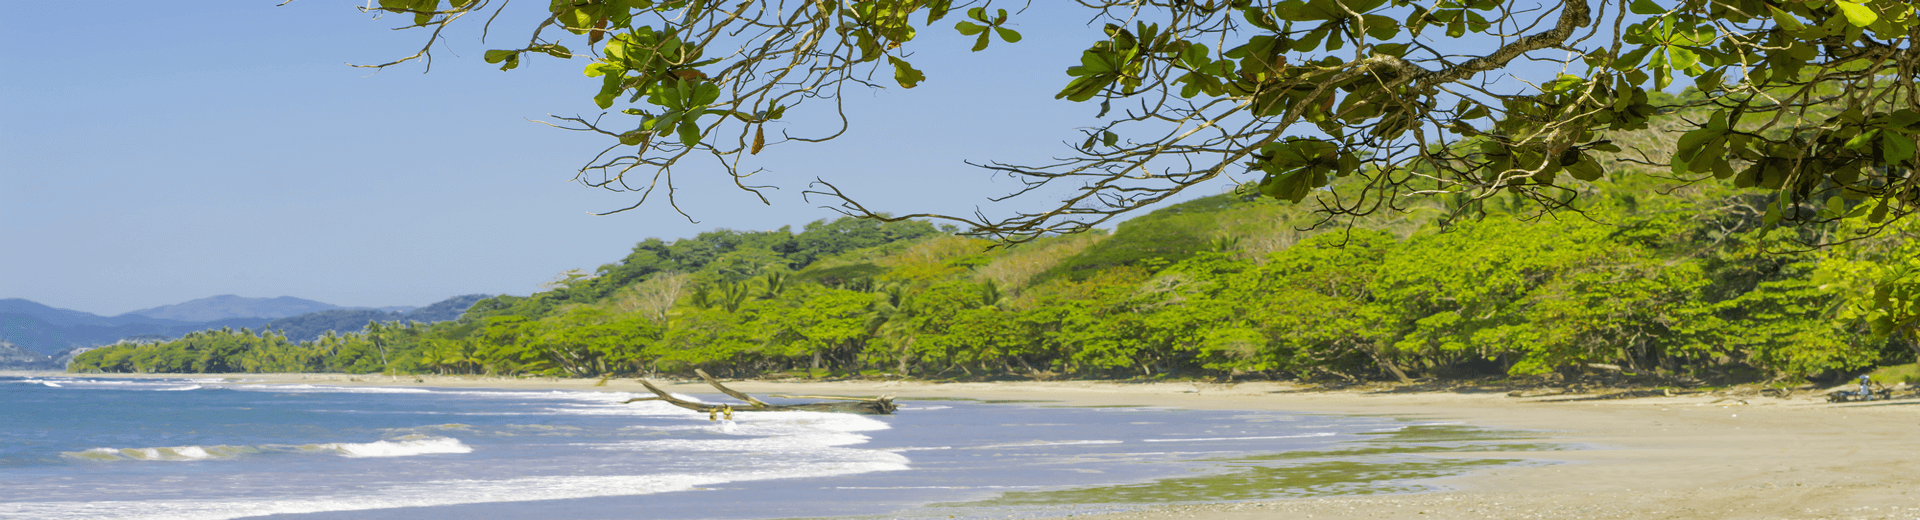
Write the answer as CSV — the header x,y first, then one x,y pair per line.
x,y
401,447
1032,444
425,494
784,432
166,454
152,385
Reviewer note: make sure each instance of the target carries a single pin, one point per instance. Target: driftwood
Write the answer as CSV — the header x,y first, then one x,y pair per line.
x,y
882,405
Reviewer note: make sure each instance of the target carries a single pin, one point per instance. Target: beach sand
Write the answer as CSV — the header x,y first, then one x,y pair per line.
x,y
1685,457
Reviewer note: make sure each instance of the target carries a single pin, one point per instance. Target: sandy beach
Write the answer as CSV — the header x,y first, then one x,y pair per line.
x,y
1683,457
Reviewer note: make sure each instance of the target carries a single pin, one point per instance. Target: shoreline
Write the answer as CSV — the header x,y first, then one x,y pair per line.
x,y
1684,457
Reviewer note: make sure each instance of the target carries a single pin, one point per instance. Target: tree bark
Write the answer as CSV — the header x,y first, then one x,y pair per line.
x,y
1387,364
882,405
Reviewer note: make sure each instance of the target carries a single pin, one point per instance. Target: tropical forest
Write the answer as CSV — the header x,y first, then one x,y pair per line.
x,y
1633,274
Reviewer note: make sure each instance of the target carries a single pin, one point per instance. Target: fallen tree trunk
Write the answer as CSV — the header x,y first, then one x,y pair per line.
x,y
882,405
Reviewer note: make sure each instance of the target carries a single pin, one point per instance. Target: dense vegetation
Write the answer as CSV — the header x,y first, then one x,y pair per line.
x,y
1645,278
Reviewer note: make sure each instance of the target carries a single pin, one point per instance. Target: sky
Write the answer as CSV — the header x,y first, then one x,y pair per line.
x,y
157,152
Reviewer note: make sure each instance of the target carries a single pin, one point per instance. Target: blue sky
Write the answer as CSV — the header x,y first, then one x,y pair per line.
x,y
157,152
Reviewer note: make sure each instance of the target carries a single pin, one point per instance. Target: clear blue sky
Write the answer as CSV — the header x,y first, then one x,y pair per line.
x,y
157,152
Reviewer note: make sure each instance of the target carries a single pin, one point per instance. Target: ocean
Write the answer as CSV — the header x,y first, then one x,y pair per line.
x,y
208,448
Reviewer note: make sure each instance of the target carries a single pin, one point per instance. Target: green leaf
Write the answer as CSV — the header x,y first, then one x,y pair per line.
x,y
905,74
938,9
1646,7
1863,140
689,132
1007,35
1786,20
705,94
1709,81
1195,56
1632,58
1380,27
1681,58
1858,15
509,59
1903,118
1588,169
1896,147
969,28
981,44
1109,138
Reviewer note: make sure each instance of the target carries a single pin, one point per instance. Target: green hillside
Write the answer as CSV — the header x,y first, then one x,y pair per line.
x,y
1679,281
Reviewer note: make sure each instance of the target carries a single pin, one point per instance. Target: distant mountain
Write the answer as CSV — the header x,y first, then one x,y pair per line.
x,y
50,331
229,306
444,310
50,336
69,317
16,358
310,326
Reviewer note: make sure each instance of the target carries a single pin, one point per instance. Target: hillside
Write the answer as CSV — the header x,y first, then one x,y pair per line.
x,y
1645,278
227,306
49,331
310,326
16,358
46,337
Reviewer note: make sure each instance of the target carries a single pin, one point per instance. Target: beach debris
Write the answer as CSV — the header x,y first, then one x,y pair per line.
x,y
1869,391
882,405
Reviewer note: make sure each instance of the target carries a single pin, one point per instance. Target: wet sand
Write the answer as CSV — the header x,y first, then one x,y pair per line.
x,y
1686,457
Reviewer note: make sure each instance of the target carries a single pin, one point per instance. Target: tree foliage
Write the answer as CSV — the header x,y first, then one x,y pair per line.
x,y
1676,285
1812,100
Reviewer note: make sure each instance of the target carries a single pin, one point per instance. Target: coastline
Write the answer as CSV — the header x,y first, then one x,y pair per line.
x,y
1685,457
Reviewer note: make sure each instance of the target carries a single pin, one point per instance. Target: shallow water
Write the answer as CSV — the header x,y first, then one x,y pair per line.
x,y
77,447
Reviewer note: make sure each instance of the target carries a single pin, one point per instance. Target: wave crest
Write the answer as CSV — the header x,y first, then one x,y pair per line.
x,y
402,447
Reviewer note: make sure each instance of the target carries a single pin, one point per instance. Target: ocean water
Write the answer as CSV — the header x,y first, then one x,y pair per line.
x,y
195,448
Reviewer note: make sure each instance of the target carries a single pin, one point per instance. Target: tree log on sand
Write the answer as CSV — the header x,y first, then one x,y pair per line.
x,y
882,405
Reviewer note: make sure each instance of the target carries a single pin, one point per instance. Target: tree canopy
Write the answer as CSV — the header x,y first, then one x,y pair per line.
x,y
1811,99
1349,106
1223,286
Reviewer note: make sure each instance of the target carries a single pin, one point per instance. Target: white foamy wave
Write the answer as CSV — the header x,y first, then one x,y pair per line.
x,y
304,388
402,447
179,388
50,383
1200,439
425,494
923,408
168,454
772,432
1030,444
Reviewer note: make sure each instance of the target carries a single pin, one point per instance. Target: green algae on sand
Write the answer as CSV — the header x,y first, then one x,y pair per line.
x,y
1384,463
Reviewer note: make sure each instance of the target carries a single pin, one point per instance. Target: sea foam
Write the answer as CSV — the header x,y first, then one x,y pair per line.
x,y
402,447
166,454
